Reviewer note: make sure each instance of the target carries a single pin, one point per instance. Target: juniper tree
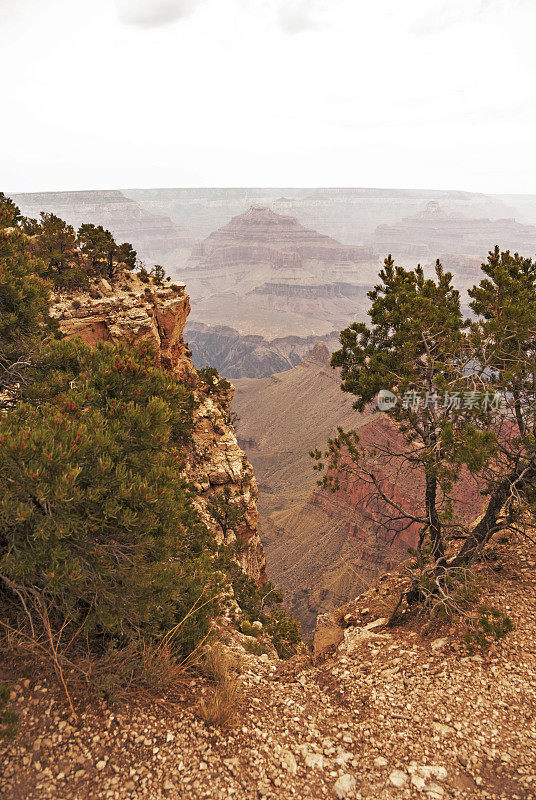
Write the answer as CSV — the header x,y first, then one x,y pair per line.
x,y
465,406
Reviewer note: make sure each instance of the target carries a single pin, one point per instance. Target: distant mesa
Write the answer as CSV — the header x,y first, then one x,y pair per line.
x,y
260,235
433,231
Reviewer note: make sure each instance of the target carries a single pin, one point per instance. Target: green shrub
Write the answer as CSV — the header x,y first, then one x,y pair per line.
x,y
491,624
263,604
210,378
94,519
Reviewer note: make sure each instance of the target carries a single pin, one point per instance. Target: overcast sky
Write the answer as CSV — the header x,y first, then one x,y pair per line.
x,y
139,93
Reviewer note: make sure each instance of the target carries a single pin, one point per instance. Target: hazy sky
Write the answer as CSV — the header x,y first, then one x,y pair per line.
x,y
131,93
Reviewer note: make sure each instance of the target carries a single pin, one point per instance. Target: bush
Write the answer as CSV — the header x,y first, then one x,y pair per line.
x,y
210,378
94,520
261,604
491,623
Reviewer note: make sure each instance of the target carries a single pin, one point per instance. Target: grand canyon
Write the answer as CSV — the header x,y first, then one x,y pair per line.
x,y
273,276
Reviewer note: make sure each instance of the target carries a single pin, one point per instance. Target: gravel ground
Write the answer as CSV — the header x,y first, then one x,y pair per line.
x,y
397,713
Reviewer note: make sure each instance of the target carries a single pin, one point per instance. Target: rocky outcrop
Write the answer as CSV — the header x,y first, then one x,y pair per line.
x,y
133,311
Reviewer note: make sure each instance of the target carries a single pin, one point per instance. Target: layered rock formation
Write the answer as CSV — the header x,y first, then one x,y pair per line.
x,y
133,311
155,237
239,356
265,274
262,235
436,231
349,215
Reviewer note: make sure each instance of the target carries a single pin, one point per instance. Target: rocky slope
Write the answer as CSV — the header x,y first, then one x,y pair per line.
x,y
310,548
239,356
133,311
390,714
155,237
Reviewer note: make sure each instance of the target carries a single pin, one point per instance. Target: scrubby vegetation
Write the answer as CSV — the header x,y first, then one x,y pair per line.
x,y
106,566
221,706
464,405
70,259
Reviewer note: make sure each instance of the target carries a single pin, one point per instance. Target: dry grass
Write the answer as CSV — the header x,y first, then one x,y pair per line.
x,y
221,705
145,667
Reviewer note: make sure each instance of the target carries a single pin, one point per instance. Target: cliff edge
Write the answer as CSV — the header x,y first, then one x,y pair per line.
x,y
133,311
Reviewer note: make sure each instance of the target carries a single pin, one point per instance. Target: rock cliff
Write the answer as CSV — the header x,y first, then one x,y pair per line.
x,y
134,311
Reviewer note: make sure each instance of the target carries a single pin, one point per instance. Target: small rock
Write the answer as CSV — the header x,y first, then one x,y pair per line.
x,y
443,730
288,762
438,644
428,771
418,782
101,765
328,633
434,791
345,786
380,762
398,778
314,761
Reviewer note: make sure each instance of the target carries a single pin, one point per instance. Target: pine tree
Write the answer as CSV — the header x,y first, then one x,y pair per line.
x,y
10,215
465,404
24,316
94,517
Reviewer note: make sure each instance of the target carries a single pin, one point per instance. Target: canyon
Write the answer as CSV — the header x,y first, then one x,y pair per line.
x,y
155,236
292,262
436,233
347,214
248,356
274,274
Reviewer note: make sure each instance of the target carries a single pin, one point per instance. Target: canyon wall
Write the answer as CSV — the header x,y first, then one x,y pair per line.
x,y
349,215
237,356
132,311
